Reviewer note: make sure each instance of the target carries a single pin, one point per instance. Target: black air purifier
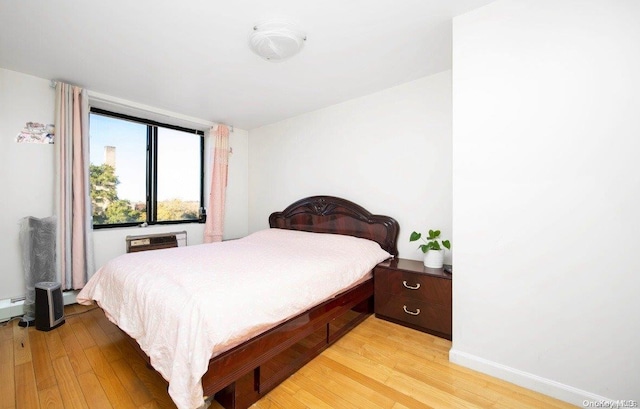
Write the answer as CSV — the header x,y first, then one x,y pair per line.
x,y
49,306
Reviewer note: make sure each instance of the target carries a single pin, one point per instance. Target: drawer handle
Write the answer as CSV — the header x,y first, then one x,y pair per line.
x,y
410,287
416,312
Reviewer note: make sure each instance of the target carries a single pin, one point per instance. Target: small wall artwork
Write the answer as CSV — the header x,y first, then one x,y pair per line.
x,y
35,132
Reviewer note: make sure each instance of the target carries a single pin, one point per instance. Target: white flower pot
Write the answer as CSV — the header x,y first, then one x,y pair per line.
x,y
434,258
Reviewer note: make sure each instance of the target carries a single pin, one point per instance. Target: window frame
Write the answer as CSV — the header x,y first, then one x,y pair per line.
x,y
151,158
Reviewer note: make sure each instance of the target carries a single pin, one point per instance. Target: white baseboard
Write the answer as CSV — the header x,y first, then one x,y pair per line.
x,y
10,309
527,380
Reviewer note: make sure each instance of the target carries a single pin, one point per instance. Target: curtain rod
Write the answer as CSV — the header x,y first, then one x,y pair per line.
x,y
108,99
96,96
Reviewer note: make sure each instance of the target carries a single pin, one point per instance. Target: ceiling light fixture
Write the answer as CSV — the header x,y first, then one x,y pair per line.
x,y
276,40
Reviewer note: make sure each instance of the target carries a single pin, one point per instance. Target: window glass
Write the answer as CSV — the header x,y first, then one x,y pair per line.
x,y
117,170
178,175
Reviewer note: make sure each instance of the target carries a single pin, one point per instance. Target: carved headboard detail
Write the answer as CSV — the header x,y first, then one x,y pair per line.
x,y
329,214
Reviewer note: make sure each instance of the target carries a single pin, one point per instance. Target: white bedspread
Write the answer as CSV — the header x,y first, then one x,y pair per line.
x,y
185,305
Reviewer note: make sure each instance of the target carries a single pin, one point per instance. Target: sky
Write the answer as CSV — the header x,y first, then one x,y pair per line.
x,y
178,158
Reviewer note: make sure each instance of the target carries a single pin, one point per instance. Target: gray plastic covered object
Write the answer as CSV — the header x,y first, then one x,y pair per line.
x,y
38,243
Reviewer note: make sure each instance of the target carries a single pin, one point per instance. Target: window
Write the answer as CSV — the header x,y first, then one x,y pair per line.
x,y
143,171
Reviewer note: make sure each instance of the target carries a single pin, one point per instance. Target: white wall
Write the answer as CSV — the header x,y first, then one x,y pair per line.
x,y
26,178
389,152
546,177
27,181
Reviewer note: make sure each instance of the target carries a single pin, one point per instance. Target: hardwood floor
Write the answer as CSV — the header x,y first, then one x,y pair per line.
x,y
87,363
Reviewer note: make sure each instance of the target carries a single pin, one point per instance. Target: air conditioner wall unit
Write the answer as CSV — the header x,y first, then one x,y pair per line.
x,y
155,241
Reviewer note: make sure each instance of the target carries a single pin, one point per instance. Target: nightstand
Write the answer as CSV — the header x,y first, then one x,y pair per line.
x,y
410,294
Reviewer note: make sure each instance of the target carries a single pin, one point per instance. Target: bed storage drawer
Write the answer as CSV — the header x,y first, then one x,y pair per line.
x,y
279,367
344,323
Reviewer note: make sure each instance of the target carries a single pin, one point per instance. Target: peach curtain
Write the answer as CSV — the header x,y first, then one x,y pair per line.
x,y
214,227
74,245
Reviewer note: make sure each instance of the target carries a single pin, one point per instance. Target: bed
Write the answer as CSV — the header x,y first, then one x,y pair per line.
x,y
247,365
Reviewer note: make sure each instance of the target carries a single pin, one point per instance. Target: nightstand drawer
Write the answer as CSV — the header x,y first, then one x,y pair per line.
x,y
414,285
435,317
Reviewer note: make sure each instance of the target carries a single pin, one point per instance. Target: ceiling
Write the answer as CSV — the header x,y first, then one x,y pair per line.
x,y
192,56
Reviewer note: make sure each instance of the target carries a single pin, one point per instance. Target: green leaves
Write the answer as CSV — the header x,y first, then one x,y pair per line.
x,y
434,234
432,242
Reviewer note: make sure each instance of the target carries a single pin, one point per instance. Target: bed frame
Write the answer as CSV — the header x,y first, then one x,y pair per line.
x,y
241,376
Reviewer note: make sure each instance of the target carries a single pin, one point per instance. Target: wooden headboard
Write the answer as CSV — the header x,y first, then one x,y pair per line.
x,y
329,214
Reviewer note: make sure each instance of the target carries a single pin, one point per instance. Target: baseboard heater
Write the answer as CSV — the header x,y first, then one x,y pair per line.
x,y
156,241
14,307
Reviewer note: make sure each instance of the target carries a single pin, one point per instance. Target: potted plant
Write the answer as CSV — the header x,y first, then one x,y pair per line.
x,y
433,248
